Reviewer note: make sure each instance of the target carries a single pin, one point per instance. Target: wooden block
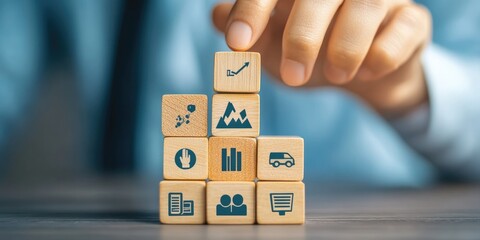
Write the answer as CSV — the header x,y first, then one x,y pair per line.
x,y
182,202
237,72
184,115
236,115
232,158
280,203
280,158
185,158
230,202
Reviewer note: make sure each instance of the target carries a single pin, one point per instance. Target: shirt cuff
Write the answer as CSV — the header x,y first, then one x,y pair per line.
x,y
440,129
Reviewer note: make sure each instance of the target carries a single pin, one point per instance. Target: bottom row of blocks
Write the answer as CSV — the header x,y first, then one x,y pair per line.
x,y
193,202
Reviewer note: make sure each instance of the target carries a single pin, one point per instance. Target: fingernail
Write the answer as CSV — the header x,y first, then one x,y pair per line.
x,y
293,72
239,35
364,74
336,74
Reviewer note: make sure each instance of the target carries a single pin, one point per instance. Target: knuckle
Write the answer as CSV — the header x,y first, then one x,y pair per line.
x,y
411,16
423,13
302,44
386,56
370,4
346,56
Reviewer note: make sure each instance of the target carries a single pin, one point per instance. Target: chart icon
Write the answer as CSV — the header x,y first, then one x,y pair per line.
x,y
232,162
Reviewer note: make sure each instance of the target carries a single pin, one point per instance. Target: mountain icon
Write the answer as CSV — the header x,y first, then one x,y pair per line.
x,y
232,119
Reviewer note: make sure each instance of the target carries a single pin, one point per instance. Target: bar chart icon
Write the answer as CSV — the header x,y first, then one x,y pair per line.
x,y
232,162
178,207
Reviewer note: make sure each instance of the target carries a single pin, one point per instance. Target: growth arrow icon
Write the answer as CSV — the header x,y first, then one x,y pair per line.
x,y
231,73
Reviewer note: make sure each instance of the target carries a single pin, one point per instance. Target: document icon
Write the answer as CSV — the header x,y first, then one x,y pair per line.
x,y
178,207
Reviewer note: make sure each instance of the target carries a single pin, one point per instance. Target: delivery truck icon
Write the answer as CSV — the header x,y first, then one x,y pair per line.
x,y
281,158
179,207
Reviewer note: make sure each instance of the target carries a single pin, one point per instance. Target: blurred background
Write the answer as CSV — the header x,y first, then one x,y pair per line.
x,y
81,147
81,85
75,85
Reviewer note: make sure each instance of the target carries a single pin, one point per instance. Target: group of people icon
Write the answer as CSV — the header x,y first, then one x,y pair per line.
x,y
229,206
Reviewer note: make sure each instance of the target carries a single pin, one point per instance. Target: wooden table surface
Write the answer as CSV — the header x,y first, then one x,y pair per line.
x,y
126,208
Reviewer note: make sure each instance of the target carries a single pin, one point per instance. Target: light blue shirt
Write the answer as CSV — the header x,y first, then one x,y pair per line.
x,y
345,141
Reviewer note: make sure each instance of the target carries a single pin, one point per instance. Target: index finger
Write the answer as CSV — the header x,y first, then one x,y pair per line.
x,y
247,21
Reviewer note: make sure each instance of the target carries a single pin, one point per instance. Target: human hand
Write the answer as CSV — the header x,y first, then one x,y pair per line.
x,y
368,47
185,159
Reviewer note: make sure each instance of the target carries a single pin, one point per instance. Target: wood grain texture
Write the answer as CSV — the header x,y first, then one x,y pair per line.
x,y
193,166
215,190
266,214
191,190
248,149
245,81
175,105
266,169
248,102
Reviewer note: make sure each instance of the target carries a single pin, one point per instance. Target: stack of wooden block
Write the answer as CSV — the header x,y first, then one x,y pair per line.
x,y
235,176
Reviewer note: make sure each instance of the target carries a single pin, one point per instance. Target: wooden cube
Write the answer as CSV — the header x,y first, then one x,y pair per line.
x,y
184,115
230,202
280,203
236,115
280,158
237,72
185,158
182,202
232,158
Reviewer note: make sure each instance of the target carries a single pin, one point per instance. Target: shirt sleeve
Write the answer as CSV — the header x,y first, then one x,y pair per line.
x,y
447,129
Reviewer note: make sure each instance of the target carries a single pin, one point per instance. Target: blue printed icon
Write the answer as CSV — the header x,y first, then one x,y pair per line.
x,y
281,202
229,206
281,158
231,73
185,158
179,207
185,118
232,163
232,120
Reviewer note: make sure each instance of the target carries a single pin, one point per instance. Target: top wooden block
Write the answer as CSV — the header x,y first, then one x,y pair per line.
x,y
237,72
184,115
